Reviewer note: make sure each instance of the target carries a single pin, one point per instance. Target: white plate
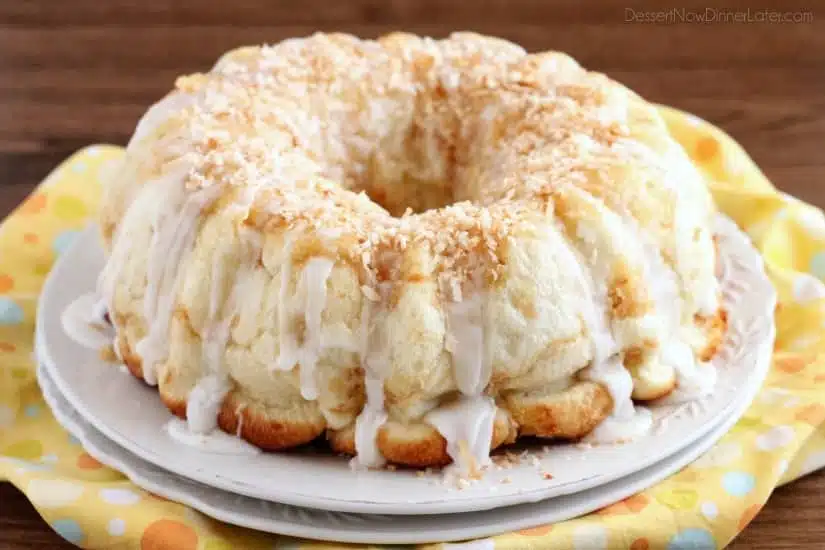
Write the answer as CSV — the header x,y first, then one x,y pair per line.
x,y
131,414
367,528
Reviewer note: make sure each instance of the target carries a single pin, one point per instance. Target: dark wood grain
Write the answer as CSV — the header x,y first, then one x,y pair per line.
x,y
83,71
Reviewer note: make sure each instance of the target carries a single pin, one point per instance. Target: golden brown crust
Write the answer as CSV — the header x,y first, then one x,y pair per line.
x,y
571,414
418,445
130,359
263,428
568,415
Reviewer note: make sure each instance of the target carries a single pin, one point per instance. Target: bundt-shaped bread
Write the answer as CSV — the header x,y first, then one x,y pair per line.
x,y
421,249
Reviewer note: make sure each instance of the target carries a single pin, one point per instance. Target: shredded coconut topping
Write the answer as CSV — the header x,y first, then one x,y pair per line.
x,y
472,131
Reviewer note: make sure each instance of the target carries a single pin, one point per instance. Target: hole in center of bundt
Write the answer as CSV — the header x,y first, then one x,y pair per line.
x,y
396,197
420,175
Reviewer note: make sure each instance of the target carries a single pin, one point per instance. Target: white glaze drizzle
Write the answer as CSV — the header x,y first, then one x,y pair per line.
x,y
174,232
314,281
216,441
367,424
467,424
695,379
375,363
310,297
207,396
84,323
625,421
204,403
465,342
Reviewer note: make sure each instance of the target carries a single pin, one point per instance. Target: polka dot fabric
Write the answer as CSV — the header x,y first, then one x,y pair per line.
x,y
781,437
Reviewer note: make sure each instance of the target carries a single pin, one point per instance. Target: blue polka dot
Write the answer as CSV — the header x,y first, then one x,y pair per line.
x,y
738,484
28,466
78,167
692,539
10,312
69,530
818,265
63,241
32,411
73,440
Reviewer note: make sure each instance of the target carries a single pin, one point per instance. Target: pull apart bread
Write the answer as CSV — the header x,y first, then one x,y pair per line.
x,y
419,249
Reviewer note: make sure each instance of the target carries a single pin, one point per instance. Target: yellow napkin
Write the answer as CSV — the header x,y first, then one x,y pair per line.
x,y
704,506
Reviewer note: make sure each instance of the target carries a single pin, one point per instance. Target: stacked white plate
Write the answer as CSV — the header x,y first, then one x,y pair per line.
x,y
312,494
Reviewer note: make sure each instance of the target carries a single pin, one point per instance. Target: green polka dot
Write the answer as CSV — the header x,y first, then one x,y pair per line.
x,y
26,450
70,208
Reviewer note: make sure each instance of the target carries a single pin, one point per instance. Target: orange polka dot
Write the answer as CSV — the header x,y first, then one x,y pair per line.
x,y
636,503
31,238
158,497
812,414
6,283
706,149
819,377
631,505
166,534
791,364
33,204
88,462
640,544
536,531
748,515
7,347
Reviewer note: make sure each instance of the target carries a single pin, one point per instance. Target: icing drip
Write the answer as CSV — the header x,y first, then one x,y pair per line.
x,y
206,398
369,421
606,368
215,442
471,365
626,421
84,322
204,403
310,297
467,425
314,279
174,233
375,364
694,379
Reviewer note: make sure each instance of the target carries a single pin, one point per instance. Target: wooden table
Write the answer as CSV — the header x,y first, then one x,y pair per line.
x,y
83,71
